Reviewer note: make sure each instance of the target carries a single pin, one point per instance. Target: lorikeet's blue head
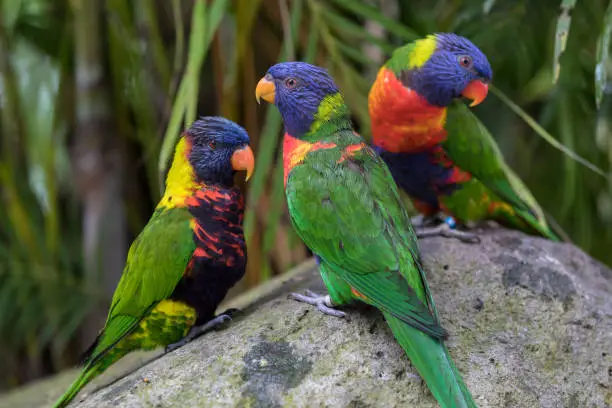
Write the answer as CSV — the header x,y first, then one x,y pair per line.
x,y
442,67
297,89
218,148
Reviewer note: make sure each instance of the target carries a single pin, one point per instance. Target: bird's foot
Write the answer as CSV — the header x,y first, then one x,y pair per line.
x,y
447,229
196,331
322,302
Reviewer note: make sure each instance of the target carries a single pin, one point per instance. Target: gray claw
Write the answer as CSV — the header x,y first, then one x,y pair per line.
x,y
322,302
445,230
315,295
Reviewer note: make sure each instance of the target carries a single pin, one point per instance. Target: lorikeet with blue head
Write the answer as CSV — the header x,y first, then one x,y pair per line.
x,y
190,253
345,206
439,153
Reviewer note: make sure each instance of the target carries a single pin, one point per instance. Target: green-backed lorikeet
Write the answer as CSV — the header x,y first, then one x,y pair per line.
x,y
345,206
439,153
190,253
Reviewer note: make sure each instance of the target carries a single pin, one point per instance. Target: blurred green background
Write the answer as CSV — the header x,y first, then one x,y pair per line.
x,y
94,93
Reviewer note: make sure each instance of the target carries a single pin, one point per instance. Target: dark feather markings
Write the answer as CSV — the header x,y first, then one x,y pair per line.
x,y
219,260
420,175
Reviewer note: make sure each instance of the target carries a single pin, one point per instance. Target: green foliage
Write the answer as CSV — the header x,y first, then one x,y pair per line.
x,y
204,24
42,298
169,61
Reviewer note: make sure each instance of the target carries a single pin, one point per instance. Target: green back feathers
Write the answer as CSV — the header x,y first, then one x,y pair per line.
x,y
472,148
156,262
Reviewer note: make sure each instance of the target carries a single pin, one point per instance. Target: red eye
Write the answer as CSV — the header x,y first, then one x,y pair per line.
x,y
465,61
212,144
290,83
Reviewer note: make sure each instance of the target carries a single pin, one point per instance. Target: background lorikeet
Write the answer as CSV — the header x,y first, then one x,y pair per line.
x,y
439,153
346,208
191,252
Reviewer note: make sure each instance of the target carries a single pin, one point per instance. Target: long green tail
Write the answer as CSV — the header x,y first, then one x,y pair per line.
x,y
87,374
539,227
434,364
523,220
94,367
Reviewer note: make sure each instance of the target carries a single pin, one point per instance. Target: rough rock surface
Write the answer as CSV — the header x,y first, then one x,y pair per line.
x,y
530,323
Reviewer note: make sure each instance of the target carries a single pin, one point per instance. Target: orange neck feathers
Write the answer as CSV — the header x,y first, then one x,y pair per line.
x,y
294,151
402,120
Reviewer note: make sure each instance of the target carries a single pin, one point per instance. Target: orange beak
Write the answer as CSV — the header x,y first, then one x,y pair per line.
x,y
243,159
476,91
265,90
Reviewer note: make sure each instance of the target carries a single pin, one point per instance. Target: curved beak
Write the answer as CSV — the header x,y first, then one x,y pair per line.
x,y
243,159
265,90
476,91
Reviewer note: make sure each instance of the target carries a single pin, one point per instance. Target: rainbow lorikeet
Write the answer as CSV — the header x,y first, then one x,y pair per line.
x,y
345,206
439,153
190,253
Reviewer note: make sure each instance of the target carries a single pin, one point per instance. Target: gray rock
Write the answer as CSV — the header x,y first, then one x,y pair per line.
x,y
530,323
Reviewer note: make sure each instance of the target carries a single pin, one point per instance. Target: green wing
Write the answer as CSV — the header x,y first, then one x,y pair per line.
x,y
348,211
472,148
155,264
